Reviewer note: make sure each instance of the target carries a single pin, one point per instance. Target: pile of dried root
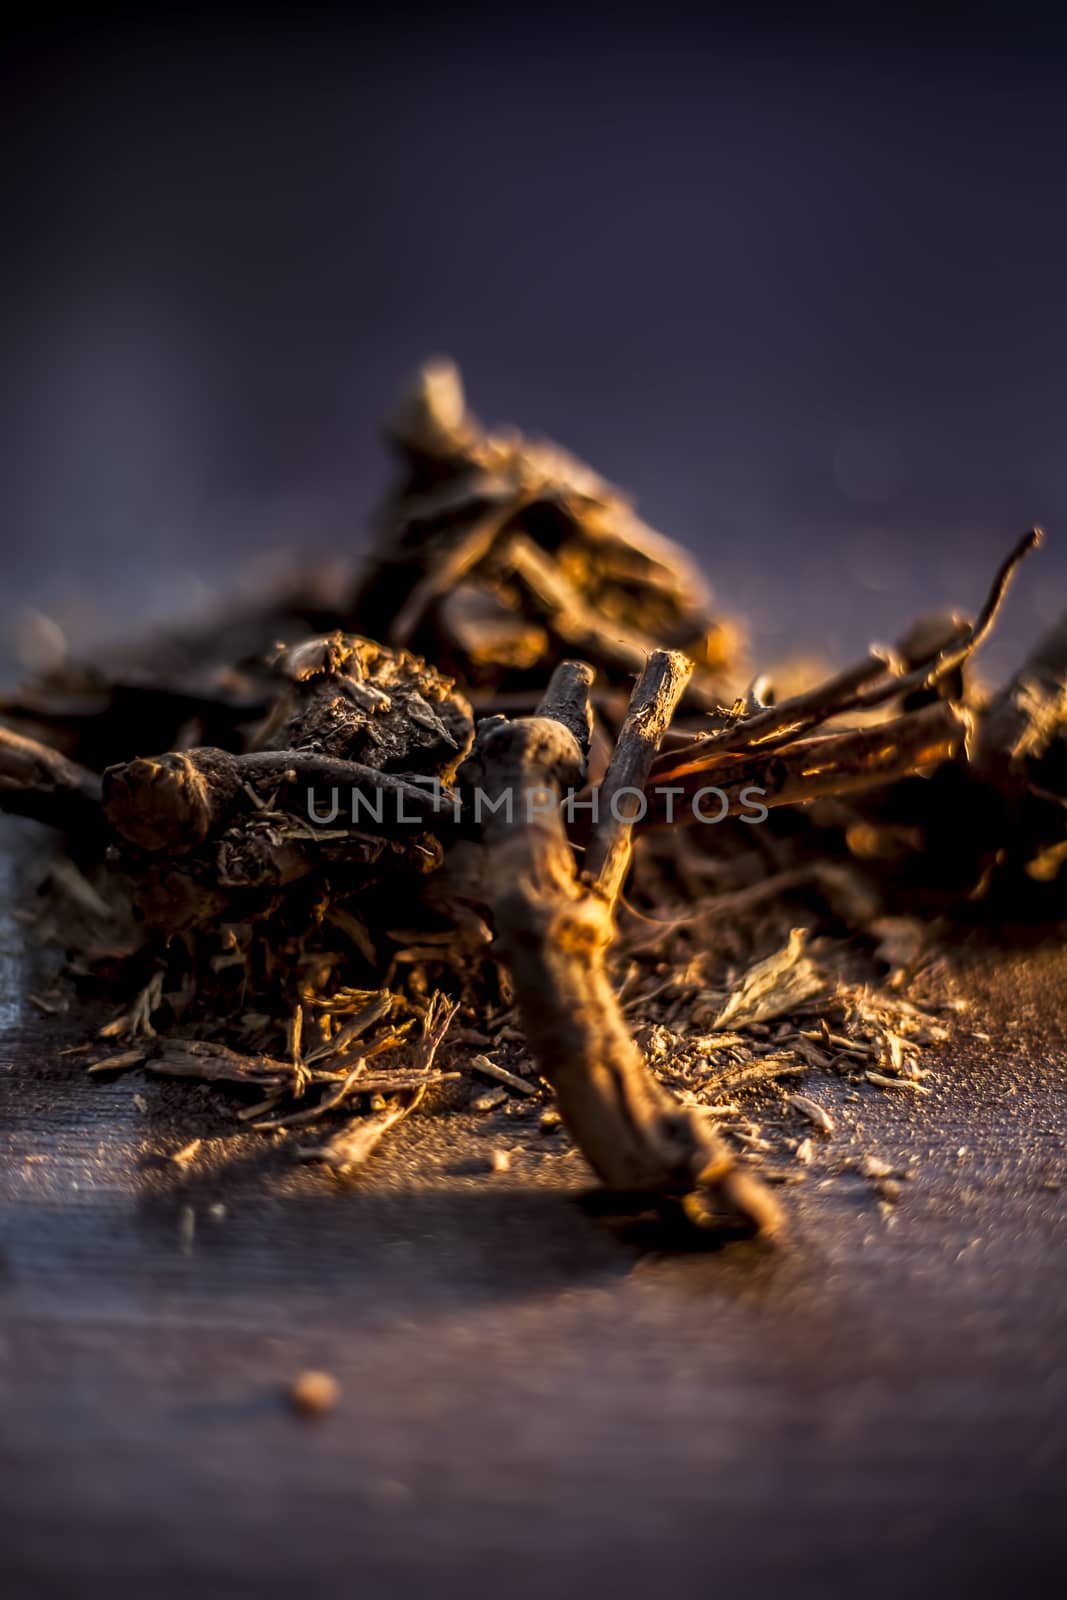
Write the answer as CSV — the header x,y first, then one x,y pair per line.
x,y
332,880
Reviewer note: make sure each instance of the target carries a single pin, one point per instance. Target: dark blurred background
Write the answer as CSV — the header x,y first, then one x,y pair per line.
x,y
795,279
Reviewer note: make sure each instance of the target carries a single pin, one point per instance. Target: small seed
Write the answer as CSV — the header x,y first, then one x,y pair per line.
x,y
314,1394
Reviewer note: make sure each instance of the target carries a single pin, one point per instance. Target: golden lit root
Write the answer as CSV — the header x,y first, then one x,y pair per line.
x,y
555,928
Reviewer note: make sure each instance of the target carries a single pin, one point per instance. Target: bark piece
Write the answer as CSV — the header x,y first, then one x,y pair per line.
x,y
349,697
776,985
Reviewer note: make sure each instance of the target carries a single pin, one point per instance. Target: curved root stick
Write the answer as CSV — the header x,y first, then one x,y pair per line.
x,y
555,930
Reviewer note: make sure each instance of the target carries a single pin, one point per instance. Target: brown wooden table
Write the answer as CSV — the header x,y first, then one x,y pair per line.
x,y
531,1402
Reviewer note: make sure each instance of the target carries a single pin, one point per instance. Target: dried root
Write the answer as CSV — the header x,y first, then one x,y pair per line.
x,y
321,851
500,555
555,929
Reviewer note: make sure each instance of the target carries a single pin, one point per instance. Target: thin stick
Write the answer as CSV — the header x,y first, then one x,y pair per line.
x,y
384,1083
196,1058
37,781
952,656
787,720
831,764
567,700
1032,539
657,693
756,1072
329,1102
870,683
489,1069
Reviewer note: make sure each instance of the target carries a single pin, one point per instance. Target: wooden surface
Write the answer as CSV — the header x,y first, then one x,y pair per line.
x,y
532,1403
803,301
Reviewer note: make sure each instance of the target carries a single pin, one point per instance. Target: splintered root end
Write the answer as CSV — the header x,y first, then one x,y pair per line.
x,y
729,1200
158,802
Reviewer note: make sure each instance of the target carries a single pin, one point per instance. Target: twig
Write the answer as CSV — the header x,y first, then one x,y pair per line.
x,y
329,1102
359,1082
568,700
376,1007
776,724
119,1063
358,1139
880,677
762,1071
37,781
830,764
823,876
657,693
907,1084
195,1058
489,1069
950,658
